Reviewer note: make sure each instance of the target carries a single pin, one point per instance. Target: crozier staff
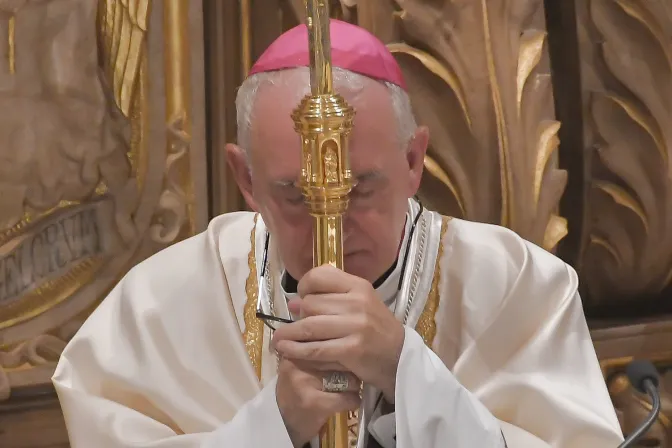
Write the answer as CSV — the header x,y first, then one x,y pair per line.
x,y
464,334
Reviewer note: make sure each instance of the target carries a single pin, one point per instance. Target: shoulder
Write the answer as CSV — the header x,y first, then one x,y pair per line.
x,y
495,267
183,284
227,237
196,265
176,300
497,245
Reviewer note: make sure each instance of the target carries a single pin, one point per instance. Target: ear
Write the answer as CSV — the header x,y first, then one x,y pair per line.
x,y
415,156
239,164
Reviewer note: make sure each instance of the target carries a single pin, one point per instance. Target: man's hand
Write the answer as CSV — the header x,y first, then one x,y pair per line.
x,y
344,326
303,405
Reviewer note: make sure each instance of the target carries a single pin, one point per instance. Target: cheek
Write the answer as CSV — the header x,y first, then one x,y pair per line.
x,y
381,224
372,227
289,222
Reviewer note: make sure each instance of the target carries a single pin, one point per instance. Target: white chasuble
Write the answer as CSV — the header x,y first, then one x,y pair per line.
x,y
496,347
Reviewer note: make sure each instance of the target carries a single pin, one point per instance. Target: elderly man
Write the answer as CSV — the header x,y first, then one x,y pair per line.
x,y
463,334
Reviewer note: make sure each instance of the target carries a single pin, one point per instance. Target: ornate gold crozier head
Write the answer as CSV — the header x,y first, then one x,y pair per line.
x,y
324,121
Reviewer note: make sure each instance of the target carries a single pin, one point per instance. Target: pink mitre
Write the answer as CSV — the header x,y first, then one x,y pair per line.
x,y
352,48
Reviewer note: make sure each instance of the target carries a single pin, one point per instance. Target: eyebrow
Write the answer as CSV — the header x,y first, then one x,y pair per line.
x,y
370,175
284,183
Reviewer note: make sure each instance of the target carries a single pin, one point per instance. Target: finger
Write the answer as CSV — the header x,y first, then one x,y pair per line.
x,y
332,403
316,304
319,367
294,306
316,328
332,350
326,279
307,371
320,304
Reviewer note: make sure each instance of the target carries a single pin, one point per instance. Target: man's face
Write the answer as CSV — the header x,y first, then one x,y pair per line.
x,y
386,173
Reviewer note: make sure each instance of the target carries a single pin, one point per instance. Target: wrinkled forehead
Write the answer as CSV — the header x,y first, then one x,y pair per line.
x,y
290,86
276,145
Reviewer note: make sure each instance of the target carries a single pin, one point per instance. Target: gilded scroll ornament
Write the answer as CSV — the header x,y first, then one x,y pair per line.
x,y
123,26
172,211
68,190
175,214
626,62
80,179
43,350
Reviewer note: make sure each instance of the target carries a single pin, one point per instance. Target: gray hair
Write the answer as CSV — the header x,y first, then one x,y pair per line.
x,y
344,80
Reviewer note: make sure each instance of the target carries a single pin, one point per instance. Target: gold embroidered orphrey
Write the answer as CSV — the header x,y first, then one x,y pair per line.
x,y
253,335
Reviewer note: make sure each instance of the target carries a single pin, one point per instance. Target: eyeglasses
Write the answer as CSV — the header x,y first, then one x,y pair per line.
x,y
274,322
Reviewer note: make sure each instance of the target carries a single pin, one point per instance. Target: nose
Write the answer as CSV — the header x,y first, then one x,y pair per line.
x,y
346,235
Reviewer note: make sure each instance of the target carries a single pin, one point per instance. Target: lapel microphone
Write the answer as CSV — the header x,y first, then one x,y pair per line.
x,y
644,378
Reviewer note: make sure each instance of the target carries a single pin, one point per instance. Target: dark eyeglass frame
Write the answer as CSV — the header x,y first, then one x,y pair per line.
x,y
269,319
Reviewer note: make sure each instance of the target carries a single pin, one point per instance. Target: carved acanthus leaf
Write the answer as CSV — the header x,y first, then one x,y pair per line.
x,y
466,59
123,25
631,108
488,60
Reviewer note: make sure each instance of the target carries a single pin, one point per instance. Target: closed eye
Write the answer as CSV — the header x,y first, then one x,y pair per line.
x,y
363,193
296,200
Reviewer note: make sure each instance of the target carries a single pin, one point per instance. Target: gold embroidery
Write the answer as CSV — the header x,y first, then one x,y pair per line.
x,y
254,328
353,428
426,326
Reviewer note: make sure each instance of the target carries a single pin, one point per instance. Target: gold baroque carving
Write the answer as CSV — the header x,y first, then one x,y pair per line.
x,y
176,206
627,75
123,26
172,211
39,352
484,59
91,234
478,76
67,202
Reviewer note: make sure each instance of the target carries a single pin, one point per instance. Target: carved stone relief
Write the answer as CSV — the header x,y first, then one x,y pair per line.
x,y
626,61
479,77
92,179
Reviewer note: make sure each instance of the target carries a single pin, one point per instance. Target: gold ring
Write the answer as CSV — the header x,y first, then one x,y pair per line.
x,y
335,382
